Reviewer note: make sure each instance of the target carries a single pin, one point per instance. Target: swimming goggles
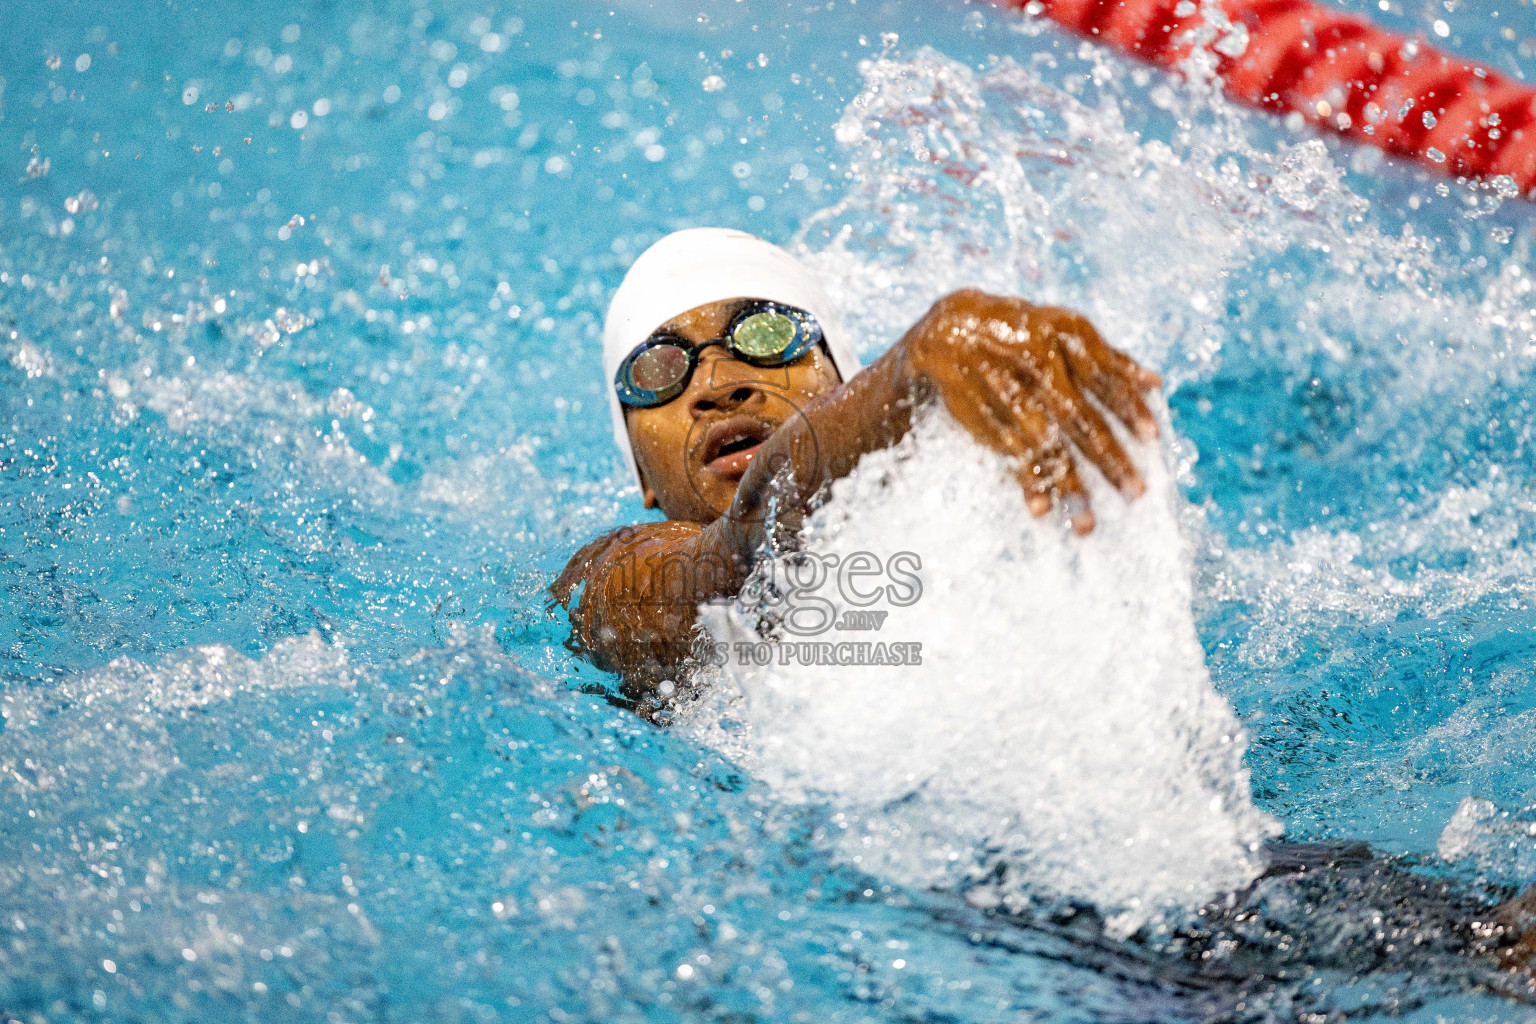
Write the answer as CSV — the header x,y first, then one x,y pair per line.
x,y
763,334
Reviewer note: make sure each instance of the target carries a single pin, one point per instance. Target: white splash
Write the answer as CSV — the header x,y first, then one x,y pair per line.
x,y
116,720
1213,240
1061,725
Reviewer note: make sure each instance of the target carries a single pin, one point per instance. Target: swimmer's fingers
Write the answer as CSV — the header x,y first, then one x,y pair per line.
x,y
1046,471
1072,326
1116,391
971,403
1146,380
1087,428
1031,442
1069,490
1091,434
1053,475
1110,375
1141,378
1037,489
999,415
987,415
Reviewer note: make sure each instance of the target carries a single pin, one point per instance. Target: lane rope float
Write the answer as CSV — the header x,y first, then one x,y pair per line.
x,y
1339,72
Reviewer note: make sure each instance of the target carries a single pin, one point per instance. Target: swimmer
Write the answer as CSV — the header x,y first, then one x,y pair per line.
x,y
737,400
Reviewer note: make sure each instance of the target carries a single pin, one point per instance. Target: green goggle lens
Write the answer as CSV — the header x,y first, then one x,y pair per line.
x,y
764,335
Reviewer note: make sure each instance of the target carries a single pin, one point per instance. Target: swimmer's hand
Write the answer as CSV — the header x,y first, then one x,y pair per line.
x,y
1017,376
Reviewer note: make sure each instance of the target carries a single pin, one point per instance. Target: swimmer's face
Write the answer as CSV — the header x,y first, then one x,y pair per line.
x,y
693,450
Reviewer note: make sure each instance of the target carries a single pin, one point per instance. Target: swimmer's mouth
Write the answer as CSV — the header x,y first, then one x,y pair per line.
x,y
730,445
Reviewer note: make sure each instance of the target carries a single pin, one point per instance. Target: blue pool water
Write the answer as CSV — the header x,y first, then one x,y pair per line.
x,y
299,416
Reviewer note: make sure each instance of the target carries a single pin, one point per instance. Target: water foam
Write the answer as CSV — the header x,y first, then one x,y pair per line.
x,y
1060,738
119,714
1364,365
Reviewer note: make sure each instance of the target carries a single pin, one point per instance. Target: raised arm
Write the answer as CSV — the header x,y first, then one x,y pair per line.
x,y
1014,375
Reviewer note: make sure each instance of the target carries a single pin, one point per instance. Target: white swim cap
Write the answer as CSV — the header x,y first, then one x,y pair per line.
x,y
701,265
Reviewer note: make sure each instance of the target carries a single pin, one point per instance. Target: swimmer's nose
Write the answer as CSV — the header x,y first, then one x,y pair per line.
x,y
728,400
721,382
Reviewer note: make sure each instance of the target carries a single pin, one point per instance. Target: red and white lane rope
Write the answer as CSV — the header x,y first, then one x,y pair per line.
x,y
1339,72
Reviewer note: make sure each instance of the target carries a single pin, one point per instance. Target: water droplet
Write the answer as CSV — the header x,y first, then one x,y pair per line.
x,y
1429,120
714,83
84,202
1435,155
1235,42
